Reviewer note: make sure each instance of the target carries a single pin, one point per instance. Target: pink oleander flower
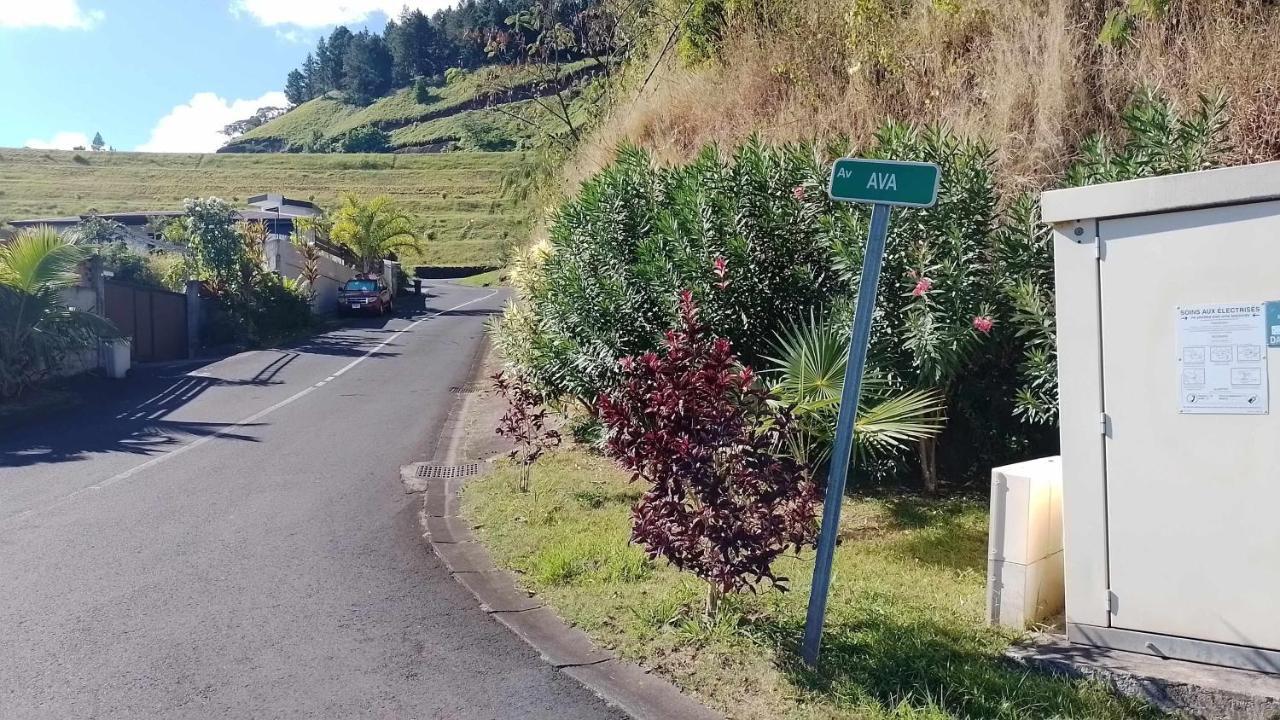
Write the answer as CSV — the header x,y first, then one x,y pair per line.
x,y
983,324
720,267
797,192
923,285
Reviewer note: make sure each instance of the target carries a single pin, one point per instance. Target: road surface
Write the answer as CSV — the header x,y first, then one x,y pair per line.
x,y
232,540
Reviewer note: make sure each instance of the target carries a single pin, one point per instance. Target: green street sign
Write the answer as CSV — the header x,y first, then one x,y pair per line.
x,y
884,182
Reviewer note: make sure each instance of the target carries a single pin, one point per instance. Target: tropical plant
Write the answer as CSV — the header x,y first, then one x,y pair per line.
x,y
1157,140
97,230
525,423
745,233
309,253
373,229
724,499
38,330
808,373
1024,271
936,304
217,250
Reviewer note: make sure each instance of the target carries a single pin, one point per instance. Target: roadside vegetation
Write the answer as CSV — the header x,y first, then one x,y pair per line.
x,y
459,201
904,635
689,318
1029,79
39,331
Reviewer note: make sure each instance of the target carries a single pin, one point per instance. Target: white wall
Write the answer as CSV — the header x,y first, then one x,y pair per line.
x,y
284,258
80,298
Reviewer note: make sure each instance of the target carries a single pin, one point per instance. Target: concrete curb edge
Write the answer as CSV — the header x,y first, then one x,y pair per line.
x,y
622,684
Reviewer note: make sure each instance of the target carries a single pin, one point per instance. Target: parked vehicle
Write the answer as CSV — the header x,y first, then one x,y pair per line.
x,y
365,293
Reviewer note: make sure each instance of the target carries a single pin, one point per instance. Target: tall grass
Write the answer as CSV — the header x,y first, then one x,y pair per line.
x,y
1029,76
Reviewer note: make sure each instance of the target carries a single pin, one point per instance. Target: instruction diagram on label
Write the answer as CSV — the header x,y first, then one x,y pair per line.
x,y
1222,359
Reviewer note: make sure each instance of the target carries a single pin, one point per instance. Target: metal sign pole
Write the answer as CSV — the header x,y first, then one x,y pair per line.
x,y
841,454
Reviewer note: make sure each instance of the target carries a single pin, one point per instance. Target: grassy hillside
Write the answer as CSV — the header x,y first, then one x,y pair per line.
x,y
404,117
1031,78
458,197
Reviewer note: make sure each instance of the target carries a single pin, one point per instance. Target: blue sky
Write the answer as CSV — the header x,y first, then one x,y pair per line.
x,y
154,74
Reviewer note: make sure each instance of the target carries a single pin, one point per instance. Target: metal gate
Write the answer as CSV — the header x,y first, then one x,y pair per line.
x,y
155,320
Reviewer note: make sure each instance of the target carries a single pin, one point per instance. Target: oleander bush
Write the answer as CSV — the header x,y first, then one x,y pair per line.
x,y
963,338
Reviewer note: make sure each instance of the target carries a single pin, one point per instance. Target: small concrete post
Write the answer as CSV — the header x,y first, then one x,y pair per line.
x,y
193,318
1024,558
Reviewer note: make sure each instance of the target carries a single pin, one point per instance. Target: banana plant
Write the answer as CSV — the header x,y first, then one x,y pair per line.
x,y
809,361
37,328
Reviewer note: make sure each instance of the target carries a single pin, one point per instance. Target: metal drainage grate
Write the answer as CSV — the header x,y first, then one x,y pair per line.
x,y
448,472
469,388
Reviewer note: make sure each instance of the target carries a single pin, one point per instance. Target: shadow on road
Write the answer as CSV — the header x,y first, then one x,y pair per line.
x,y
136,416
133,419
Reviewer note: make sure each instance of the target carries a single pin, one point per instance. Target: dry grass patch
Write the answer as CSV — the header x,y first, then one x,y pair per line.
x,y
1029,76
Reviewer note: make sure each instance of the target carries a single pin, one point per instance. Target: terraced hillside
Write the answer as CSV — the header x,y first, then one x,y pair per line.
x,y
458,197
490,108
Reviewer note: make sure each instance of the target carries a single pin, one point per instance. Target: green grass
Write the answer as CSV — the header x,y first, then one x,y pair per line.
x,y
457,198
412,123
905,637
493,278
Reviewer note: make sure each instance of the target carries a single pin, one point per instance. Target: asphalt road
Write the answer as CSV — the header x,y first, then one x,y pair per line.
x,y
232,540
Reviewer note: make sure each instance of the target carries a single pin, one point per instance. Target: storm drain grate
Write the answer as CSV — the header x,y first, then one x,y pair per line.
x,y
448,472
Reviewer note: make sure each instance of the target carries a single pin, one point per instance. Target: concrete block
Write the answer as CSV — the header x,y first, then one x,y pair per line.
x,y
1025,551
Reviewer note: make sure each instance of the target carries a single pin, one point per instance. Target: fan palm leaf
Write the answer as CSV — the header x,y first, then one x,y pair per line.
x,y
809,362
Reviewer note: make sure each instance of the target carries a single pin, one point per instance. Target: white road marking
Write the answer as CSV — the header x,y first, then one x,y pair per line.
x,y
239,423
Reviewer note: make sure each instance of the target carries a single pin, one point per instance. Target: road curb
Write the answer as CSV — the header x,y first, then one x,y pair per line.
x,y
620,683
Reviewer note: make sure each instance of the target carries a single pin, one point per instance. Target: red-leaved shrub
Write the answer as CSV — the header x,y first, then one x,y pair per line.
x,y
524,423
724,500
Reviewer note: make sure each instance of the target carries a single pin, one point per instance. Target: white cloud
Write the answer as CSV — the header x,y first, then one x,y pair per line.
x,y
60,14
59,141
196,126
322,13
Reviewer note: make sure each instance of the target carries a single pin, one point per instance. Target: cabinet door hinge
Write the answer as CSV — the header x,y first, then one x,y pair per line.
x,y
1103,423
1110,601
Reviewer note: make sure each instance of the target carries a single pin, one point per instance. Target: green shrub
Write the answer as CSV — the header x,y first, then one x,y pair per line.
x,y
453,75
936,307
476,135
1156,139
638,233
422,92
365,139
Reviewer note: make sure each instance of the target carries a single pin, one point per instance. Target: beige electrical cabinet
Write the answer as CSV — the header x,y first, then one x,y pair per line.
x,y
1170,441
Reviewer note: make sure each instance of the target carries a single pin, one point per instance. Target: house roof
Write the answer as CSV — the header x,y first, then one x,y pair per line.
x,y
274,198
140,217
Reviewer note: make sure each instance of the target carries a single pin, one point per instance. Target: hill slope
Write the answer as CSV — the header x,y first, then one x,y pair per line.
x,y
458,197
491,108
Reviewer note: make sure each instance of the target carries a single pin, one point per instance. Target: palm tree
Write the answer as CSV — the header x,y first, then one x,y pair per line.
x,y
808,374
37,329
372,229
